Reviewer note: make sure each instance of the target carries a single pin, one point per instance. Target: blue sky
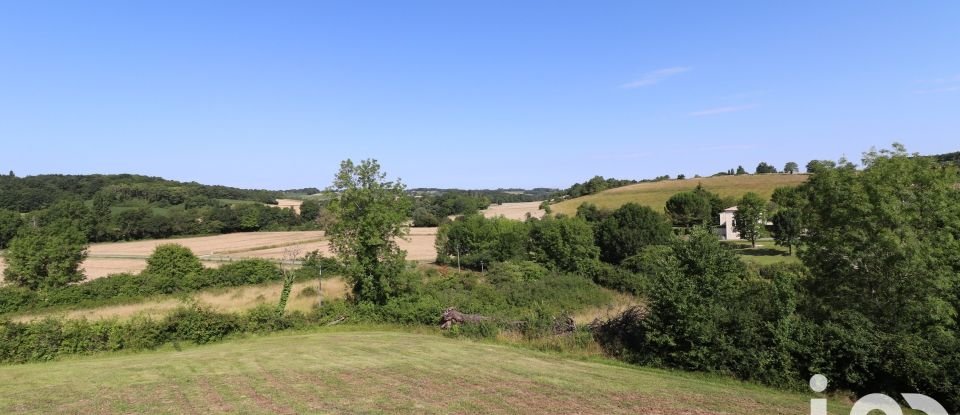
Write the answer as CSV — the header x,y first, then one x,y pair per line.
x,y
468,94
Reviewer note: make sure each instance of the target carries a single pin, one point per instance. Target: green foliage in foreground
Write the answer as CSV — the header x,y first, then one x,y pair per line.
x,y
527,302
371,213
129,287
374,370
873,307
47,257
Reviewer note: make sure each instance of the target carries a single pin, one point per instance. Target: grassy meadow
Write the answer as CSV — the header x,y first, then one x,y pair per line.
x,y
371,371
656,194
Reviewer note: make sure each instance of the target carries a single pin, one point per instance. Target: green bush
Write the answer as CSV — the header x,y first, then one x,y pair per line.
x,y
516,271
200,325
121,287
172,261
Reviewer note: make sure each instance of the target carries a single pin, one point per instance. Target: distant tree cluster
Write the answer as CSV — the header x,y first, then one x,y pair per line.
x,y
697,207
432,210
762,168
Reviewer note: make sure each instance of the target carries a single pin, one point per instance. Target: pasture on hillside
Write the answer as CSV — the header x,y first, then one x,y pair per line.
x,y
656,194
371,372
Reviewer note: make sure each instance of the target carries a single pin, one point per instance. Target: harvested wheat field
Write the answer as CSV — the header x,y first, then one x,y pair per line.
x,y
119,257
656,194
289,204
516,211
209,245
419,245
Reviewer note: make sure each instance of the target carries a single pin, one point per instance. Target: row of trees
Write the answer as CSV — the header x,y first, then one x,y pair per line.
x,y
764,168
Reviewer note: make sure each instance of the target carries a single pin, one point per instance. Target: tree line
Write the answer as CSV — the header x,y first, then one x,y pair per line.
x,y
27,194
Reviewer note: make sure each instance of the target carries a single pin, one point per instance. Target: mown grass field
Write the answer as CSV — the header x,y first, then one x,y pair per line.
x,y
371,372
766,252
656,194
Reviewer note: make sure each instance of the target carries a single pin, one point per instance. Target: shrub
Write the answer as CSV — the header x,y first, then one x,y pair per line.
x,y
200,325
516,271
173,261
629,229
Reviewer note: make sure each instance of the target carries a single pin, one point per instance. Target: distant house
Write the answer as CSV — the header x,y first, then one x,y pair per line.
x,y
727,231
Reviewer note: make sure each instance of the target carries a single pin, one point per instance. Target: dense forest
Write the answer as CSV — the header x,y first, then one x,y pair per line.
x,y
27,194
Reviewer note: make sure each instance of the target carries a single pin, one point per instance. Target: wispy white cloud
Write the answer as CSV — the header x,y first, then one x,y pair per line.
x,y
933,86
722,110
937,90
742,96
655,77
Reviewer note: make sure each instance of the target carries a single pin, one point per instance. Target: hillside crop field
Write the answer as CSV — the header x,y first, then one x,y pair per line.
x,y
656,194
515,211
118,257
371,372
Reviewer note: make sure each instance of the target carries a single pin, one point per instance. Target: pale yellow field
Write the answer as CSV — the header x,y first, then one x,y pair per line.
x,y
118,257
516,211
209,245
656,194
290,204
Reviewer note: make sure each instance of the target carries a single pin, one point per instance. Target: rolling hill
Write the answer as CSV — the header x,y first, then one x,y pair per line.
x,y
371,372
656,194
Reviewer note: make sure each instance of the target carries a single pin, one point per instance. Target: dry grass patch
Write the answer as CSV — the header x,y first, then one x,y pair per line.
x,y
621,302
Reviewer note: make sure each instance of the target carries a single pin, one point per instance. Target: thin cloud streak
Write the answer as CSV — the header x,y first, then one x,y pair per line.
x,y
722,110
655,77
937,90
948,84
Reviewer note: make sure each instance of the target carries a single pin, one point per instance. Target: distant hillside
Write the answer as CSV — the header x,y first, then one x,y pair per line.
x,y
26,194
493,195
948,158
655,194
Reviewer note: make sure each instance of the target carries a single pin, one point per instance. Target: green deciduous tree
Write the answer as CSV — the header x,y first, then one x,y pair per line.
x,y
791,167
173,261
750,217
741,170
689,208
10,222
787,228
815,165
629,229
309,210
474,240
787,221
883,249
371,214
563,243
764,168
45,257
